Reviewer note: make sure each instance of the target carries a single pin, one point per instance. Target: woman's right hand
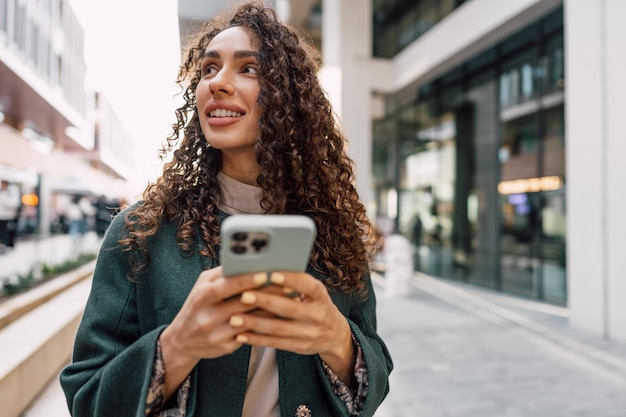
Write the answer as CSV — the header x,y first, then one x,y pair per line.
x,y
201,328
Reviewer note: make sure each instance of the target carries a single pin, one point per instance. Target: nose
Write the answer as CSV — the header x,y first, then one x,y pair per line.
x,y
220,83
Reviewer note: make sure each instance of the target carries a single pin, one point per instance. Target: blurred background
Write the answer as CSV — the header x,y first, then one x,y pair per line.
x,y
486,132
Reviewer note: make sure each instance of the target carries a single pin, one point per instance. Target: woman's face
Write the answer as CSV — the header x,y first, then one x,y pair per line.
x,y
226,95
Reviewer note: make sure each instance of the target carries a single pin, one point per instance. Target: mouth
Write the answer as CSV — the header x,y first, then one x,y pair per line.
x,y
224,113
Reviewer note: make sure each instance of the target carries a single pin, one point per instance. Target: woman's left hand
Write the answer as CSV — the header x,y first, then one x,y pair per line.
x,y
307,324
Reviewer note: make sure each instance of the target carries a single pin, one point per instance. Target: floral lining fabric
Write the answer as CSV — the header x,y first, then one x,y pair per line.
x,y
156,405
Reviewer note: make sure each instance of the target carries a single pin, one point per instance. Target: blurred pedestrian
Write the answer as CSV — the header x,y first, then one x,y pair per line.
x,y
105,210
10,203
417,232
78,213
398,265
164,333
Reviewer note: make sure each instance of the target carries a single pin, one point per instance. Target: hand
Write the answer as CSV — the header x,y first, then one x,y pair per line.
x,y
201,328
308,324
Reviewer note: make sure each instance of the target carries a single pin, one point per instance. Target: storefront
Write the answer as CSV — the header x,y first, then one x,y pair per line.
x,y
472,166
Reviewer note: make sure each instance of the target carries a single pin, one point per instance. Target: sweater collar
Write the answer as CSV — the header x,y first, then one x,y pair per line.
x,y
239,198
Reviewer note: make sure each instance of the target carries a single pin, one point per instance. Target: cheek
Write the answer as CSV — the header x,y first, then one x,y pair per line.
x,y
201,94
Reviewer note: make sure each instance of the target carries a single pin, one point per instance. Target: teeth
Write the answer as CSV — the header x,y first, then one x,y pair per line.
x,y
224,113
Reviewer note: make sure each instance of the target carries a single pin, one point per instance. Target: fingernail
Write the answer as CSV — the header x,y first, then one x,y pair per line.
x,y
236,321
289,293
248,298
260,278
241,338
277,278
287,290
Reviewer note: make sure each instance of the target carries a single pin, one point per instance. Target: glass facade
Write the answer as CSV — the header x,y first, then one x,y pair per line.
x,y
397,23
472,166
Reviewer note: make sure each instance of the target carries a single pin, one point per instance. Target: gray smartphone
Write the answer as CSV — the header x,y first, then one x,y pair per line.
x,y
266,243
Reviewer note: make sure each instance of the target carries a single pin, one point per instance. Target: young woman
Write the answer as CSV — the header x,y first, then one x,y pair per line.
x,y
164,333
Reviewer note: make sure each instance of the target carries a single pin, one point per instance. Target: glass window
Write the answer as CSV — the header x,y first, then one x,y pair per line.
x,y
407,123
481,172
527,85
518,154
19,35
396,24
556,68
427,16
383,151
3,15
34,44
406,29
554,142
509,88
446,7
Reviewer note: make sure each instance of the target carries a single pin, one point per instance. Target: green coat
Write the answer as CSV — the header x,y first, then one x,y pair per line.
x,y
116,341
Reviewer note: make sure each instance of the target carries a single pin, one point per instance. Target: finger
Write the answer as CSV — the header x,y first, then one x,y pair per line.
x,y
300,282
220,288
277,305
210,275
223,335
296,345
272,326
219,343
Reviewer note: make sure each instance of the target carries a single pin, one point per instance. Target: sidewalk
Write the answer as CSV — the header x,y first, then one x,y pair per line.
x,y
463,351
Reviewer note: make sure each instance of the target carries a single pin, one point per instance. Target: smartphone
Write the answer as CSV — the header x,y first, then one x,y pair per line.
x,y
266,243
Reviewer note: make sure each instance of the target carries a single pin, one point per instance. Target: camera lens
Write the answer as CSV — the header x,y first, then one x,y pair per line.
x,y
239,249
240,236
259,244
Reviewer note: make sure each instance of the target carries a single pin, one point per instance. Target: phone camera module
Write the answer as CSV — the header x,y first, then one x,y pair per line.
x,y
243,243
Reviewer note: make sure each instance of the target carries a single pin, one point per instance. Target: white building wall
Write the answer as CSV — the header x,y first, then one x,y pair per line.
x,y
595,54
616,170
347,77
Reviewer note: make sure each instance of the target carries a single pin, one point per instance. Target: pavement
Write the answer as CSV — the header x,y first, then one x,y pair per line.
x,y
464,351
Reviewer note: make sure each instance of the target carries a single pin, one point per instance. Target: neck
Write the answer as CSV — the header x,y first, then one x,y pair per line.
x,y
244,170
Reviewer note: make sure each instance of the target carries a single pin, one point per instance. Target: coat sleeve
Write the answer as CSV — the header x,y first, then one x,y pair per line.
x,y
363,322
112,360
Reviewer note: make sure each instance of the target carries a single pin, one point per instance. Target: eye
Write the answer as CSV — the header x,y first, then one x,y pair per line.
x,y
251,69
208,68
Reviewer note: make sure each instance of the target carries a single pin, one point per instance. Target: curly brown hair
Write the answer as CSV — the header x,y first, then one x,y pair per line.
x,y
300,152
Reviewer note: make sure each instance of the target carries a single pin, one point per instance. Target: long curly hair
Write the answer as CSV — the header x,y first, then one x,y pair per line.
x,y
303,165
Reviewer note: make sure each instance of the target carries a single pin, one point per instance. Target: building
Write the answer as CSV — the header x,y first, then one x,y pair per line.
x,y
487,130
496,124
305,14
55,132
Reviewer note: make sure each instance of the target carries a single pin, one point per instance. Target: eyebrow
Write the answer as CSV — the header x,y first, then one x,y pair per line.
x,y
236,55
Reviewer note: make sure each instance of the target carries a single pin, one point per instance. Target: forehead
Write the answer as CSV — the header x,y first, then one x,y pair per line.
x,y
234,38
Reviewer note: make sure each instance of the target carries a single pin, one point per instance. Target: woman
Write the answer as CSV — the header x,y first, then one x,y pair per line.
x,y
163,332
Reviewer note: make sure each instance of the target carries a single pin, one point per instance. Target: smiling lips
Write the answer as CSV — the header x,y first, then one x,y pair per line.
x,y
224,113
